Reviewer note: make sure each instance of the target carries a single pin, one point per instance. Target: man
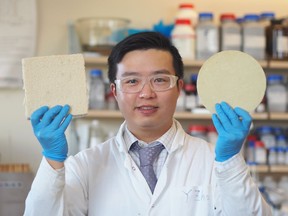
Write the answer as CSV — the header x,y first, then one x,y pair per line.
x,y
186,177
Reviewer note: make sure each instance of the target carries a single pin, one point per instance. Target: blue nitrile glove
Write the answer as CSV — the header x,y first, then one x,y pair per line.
x,y
49,127
232,127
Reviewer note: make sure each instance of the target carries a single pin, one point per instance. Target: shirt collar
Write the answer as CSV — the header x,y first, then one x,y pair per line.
x,y
166,139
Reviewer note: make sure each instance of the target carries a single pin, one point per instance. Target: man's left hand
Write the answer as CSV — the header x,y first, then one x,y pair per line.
x,y
233,127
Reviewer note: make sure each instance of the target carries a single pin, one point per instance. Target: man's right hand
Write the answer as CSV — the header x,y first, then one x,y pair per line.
x,y
49,127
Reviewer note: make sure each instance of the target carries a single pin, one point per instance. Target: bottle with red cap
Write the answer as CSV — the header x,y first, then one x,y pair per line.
x,y
190,97
187,11
183,38
198,131
260,152
230,33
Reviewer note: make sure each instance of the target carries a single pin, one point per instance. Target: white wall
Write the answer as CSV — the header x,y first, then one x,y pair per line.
x,y
17,143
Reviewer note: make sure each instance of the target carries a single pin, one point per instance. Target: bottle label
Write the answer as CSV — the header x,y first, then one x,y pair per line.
x,y
185,45
231,39
254,42
282,43
207,40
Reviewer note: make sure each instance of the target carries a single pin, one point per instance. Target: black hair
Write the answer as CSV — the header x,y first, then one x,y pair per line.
x,y
143,41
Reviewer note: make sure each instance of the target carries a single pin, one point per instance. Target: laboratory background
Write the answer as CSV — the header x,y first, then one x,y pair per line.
x,y
49,27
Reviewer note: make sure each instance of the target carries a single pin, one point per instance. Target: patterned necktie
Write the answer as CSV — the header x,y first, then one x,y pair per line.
x,y
147,157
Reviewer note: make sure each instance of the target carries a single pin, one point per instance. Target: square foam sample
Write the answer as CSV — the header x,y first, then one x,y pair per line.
x,y
55,80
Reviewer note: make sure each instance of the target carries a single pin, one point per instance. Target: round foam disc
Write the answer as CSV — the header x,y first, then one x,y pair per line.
x,y
234,77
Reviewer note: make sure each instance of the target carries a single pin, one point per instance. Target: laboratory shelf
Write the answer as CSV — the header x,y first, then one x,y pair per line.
x,y
278,116
269,169
259,168
91,60
279,169
278,64
115,114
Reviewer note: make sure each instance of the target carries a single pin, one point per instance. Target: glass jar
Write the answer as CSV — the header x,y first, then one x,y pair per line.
x,y
277,40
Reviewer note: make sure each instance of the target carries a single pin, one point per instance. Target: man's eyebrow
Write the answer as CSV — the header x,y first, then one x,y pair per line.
x,y
164,71
125,74
132,73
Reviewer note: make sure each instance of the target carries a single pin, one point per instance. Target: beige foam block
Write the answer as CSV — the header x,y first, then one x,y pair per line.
x,y
234,77
55,80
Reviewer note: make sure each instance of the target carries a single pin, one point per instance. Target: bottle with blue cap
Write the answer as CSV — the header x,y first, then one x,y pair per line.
x,y
96,90
266,135
253,35
207,36
276,93
266,17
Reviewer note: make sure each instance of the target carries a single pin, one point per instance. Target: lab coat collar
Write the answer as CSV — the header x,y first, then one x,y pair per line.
x,y
177,142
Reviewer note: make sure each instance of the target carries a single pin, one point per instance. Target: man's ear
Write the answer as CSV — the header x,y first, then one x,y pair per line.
x,y
180,85
113,89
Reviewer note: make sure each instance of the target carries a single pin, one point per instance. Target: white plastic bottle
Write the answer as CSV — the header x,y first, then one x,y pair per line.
x,y
230,33
96,133
266,135
183,38
207,37
273,158
281,155
276,93
187,11
253,35
286,155
260,153
250,152
96,90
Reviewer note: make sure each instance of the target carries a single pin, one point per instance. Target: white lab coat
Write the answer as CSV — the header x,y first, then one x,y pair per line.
x,y
105,181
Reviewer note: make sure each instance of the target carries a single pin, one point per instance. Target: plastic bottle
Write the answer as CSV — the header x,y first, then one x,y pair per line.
x,y
96,90
260,153
187,11
250,152
253,35
230,33
272,158
96,133
281,141
286,155
183,38
198,131
276,93
266,135
207,37
281,155
278,131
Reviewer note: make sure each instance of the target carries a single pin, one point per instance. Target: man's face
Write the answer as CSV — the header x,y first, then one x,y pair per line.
x,y
147,109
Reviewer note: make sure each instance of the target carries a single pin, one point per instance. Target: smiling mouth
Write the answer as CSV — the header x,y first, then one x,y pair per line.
x,y
146,107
